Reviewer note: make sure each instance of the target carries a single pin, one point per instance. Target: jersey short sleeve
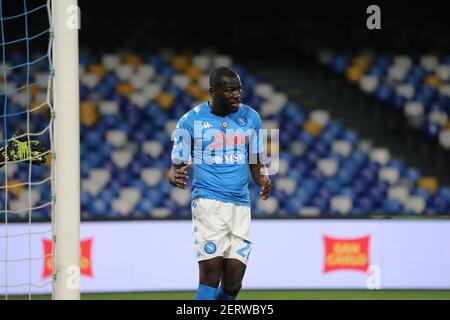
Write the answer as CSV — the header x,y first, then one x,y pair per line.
x,y
182,140
257,140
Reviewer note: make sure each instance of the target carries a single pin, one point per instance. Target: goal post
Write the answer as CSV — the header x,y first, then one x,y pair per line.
x,y
66,217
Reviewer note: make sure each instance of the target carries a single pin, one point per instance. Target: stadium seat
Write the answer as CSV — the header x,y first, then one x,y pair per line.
x,y
410,83
131,104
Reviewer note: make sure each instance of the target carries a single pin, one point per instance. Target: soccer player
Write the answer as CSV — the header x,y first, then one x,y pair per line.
x,y
221,136
18,149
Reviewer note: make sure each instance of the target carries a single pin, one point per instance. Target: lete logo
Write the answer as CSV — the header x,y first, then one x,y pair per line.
x,y
221,139
85,258
346,254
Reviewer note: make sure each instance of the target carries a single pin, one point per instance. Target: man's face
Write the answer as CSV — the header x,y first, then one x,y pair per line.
x,y
229,92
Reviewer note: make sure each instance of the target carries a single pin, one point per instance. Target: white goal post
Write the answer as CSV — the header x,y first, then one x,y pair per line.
x,y
66,216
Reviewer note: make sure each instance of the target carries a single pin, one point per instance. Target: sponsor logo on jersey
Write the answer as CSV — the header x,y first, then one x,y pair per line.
x,y
234,158
206,125
221,140
229,158
346,254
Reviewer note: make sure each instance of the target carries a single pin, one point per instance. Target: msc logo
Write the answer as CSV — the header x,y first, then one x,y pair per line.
x,y
210,247
234,158
241,121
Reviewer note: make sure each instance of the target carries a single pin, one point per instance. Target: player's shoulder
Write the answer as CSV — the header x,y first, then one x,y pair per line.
x,y
193,113
199,109
249,112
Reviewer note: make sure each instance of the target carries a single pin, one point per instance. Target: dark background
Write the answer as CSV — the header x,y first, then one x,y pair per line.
x,y
276,29
249,29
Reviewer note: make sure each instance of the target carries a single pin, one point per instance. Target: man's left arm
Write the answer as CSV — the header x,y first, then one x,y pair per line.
x,y
257,168
261,177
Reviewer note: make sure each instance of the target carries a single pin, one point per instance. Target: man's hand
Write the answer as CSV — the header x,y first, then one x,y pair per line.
x,y
179,177
18,149
266,187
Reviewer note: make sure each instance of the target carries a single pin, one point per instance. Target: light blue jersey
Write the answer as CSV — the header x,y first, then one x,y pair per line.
x,y
221,149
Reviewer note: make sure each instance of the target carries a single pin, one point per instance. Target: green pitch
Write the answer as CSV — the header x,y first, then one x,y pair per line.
x,y
276,295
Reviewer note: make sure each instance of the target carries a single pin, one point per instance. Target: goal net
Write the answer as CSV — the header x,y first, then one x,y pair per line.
x,y
39,101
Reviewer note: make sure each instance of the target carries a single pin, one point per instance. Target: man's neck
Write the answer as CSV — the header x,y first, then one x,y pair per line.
x,y
217,109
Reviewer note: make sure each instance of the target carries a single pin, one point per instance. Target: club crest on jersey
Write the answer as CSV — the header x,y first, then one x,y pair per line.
x,y
242,121
225,124
210,247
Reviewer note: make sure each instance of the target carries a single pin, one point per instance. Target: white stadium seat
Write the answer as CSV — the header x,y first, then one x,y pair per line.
x,y
389,174
269,206
181,80
444,139
202,61
341,203
321,117
160,213
124,72
139,99
152,148
342,147
399,193
109,107
151,90
90,80
369,83
286,184
429,62
297,148
116,137
309,212
328,167
416,204
122,158
402,61
405,90
264,90
443,72
439,117
182,197
222,61
110,61
145,72
380,155
204,82
151,176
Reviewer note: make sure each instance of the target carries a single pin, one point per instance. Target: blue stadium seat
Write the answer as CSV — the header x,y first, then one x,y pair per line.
x,y
142,123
